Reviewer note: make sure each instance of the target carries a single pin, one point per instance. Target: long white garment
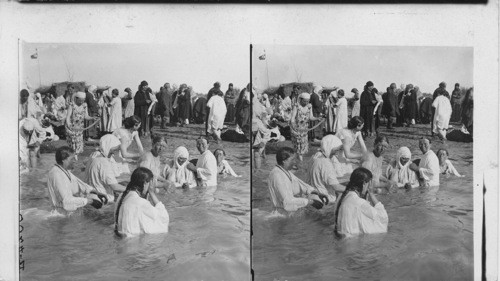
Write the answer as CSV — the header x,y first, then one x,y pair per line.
x,y
225,169
356,108
66,190
356,216
115,114
206,168
59,108
401,173
442,114
321,176
100,174
449,169
217,114
179,174
340,115
138,216
429,168
148,160
283,185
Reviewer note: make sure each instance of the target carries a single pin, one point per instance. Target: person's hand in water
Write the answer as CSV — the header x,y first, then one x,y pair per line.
x,y
393,186
185,186
322,197
102,197
407,186
96,203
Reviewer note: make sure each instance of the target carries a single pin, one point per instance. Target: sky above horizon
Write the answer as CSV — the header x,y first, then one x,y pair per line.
x,y
352,66
126,65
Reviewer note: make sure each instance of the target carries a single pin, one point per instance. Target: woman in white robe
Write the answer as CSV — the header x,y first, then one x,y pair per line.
x,y
399,171
442,115
178,172
349,136
356,215
134,214
341,118
115,112
321,174
223,167
216,116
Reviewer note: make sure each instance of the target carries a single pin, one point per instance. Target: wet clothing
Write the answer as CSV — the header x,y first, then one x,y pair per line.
x,y
321,176
137,216
401,173
207,169
66,191
283,185
357,216
148,160
449,169
429,168
100,173
225,168
179,174
374,165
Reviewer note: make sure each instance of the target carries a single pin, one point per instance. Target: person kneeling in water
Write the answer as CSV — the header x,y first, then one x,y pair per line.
x,y
355,215
134,214
283,185
66,190
223,166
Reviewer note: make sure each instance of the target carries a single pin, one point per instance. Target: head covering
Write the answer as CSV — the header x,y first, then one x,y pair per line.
x,y
144,83
107,142
330,143
80,95
317,89
305,95
28,125
369,84
404,174
92,89
182,175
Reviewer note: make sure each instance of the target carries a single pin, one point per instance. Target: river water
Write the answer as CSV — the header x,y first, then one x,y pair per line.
x,y
430,233
208,239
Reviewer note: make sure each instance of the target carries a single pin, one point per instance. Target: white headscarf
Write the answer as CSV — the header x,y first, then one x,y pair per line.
x,y
317,89
404,173
305,95
182,174
92,89
107,142
80,95
329,143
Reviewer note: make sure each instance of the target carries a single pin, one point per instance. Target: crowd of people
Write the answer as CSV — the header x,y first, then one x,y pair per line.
x,y
122,122
81,114
357,209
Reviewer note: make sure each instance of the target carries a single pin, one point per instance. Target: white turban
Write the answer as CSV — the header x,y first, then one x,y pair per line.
x,y
305,96
403,152
80,95
28,125
318,89
92,89
107,142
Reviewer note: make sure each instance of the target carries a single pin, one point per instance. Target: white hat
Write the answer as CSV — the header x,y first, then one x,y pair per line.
x,y
305,95
80,95
92,89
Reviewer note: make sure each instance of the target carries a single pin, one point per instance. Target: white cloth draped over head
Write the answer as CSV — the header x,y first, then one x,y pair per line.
x,y
80,95
404,170
329,143
107,142
317,89
92,89
182,174
305,96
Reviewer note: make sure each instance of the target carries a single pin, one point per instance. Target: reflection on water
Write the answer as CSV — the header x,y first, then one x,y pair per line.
x,y
430,234
208,236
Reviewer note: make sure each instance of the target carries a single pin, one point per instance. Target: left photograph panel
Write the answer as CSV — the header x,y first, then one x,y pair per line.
x,y
134,162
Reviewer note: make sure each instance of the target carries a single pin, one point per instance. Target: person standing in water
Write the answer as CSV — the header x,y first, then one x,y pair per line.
x,y
134,214
68,193
206,166
356,215
373,162
151,160
284,185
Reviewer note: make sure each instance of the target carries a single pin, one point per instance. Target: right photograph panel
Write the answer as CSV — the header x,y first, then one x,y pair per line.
x,y
362,163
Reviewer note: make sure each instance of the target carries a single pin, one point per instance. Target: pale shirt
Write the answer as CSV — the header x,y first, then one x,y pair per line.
x,y
357,216
138,216
148,160
206,168
448,168
115,114
321,176
217,113
429,168
66,190
100,174
283,185
374,164
225,168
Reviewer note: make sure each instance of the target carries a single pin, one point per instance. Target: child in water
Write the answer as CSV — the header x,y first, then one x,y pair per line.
x,y
445,165
223,166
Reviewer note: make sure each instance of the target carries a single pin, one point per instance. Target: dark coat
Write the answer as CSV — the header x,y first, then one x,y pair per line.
x,y
184,106
92,106
165,101
390,105
317,106
141,108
